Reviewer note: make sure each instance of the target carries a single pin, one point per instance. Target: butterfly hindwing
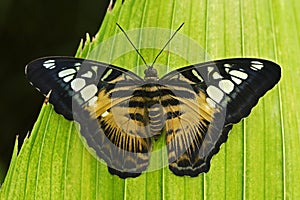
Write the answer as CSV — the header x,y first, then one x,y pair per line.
x,y
125,144
222,93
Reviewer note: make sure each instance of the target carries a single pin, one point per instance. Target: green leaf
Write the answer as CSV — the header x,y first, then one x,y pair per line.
x,y
261,158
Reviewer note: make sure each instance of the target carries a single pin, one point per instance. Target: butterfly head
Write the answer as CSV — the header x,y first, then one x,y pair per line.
x,y
151,73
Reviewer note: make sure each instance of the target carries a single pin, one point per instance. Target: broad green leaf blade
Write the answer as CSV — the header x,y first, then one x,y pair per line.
x,y
261,158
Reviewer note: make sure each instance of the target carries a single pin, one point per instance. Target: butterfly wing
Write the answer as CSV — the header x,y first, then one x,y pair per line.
x,y
97,96
211,97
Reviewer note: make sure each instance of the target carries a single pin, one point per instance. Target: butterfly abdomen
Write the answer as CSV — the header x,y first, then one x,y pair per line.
x,y
156,119
151,97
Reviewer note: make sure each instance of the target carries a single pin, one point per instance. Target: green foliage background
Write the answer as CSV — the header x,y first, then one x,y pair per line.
x,y
259,161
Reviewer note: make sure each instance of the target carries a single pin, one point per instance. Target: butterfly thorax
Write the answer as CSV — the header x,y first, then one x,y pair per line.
x,y
150,74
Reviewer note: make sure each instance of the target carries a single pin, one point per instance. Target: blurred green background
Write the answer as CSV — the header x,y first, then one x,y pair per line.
x,y
29,30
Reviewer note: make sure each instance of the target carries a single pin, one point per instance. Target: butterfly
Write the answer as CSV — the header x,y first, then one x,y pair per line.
x,y
121,114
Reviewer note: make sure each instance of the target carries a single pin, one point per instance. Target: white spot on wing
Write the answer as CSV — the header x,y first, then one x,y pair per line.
x,y
215,93
226,85
210,69
93,101
49,64
88,74
227,65
256,65
256,62
211,102
104,114
66,72
106,74
217,75
239,74
38,89
68,78
77,84
88,92
49,61
197,75
95,68
236,80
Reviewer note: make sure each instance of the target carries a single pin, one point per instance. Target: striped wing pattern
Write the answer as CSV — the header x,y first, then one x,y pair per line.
x,y
120,113
120,129
190,129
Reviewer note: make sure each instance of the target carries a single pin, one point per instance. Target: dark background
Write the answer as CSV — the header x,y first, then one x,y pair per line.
x,y
28,30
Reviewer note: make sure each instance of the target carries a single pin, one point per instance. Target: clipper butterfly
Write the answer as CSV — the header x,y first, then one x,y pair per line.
x,y
121,114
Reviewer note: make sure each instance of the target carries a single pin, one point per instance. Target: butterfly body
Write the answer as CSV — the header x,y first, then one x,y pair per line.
x,y
121,114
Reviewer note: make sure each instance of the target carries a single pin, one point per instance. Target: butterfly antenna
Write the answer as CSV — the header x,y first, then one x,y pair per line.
x,y
132,45
167,44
